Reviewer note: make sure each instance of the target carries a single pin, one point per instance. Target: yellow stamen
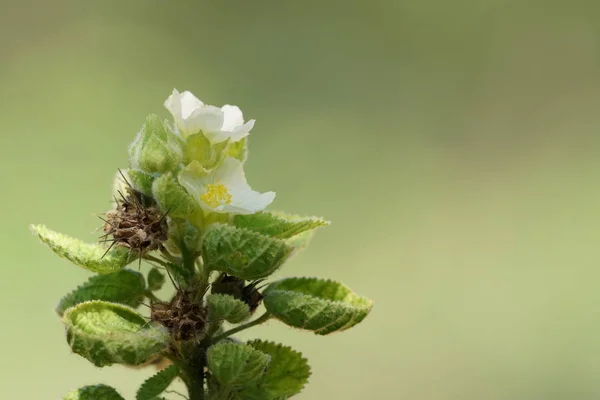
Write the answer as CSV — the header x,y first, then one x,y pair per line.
x,y
216,195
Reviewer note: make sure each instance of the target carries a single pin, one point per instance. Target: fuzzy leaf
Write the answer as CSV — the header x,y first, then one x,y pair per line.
x,y
236,365
93,257
318,305
222,306
242,253
157,383
124,286
141,181
156,149
108,333
278,225
172,197
286,375
95,392
156,279
300,241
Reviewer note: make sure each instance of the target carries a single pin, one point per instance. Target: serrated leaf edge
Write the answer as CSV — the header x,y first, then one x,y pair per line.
x,y
171,369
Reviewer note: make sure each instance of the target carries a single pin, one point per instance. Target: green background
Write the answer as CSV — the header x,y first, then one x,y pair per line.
x,y
454,145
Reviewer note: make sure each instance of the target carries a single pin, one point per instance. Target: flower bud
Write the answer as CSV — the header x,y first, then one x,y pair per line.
x,y
156,149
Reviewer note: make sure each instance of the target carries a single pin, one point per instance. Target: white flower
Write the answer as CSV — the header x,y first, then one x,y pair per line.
x,y
225,189
217,124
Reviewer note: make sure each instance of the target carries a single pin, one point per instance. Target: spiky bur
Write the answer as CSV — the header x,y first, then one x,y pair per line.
x,y
217,251
184,317
136,224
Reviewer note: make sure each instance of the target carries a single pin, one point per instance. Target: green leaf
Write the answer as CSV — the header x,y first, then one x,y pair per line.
x,y
93,257
319,305
286,375
172,197
242,253
156,279
235,364
156,149
124,286
95,392
300,241
140,181
278,225
157,383
238,149
108,333
222,306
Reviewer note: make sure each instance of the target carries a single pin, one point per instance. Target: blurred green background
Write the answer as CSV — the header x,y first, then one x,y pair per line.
x,y
454,145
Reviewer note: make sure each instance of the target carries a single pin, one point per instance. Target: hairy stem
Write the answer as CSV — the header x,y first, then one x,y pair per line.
x,y
263,318
192,364
196,390
188,258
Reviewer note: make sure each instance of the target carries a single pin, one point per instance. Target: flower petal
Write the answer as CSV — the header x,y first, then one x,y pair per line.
x,y
242,131
207,119
248,201
181,105
173,104
231,175
189,104
233,117
192,179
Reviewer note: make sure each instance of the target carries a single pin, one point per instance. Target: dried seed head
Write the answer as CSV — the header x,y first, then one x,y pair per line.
x,y
237,288
185,319
137,223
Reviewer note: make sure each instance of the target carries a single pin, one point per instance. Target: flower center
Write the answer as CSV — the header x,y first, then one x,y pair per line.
x,y
216,195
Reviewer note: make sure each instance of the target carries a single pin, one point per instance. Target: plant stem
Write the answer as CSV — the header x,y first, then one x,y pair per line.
x,y
188,259
148,293
263,318
196,390
156,260
192,374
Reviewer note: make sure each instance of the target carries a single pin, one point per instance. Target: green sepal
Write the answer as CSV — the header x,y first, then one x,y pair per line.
x,y
242,253
124,287
319,305
94,392
141,181
157,383
238,149
199,149
156,279
278,225
286,375
173,198
236,365
156,149
109,333
228,308
92,257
